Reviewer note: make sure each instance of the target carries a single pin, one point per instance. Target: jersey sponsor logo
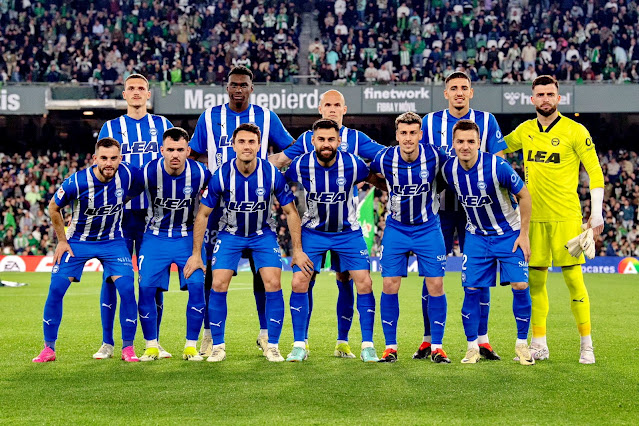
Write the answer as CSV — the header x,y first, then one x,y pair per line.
x,y
60,193
260,192
341,181
119,192
481,185
106,210
411,190
225,141
543,157
423,174
588,142
441,257
555,141
218,159
327,197
140,147
514,177
246,206
523,264
173,203
475,201
188,190
498,134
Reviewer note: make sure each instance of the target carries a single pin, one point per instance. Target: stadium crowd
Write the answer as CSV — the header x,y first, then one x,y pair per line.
x,y
29,182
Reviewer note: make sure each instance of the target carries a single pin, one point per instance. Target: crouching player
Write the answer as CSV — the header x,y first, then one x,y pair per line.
x,y
97,194
246,186
172,184
411,170
497,230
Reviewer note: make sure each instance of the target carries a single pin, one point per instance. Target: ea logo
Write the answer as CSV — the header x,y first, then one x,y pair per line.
x,y
423,174
343,146
119,192
481,185
341,181
260,191
187,190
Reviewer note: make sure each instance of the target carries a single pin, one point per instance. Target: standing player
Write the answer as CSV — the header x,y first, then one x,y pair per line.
x,y
332,106
438,130
411,170
172,184
330,223
212,139
553,147
497,230
139,134
246,187
98,194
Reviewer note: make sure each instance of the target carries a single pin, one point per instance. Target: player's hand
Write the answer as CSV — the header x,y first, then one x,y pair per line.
x,y
60,249
193,264
523,243
597,224
303,262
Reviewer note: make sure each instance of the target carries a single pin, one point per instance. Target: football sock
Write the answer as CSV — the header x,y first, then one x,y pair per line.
x,y
345,302
128,307
539,297
126,343
425,312
53,307
275,315
437,309
152,343
299,315
108,304
50,345
190,344
148,312
217,315
259,293
473,344
484,310
579,300
311,285
207,331
389,310
470,313
585,340
208,282
522,310
195,306
366,310
159,306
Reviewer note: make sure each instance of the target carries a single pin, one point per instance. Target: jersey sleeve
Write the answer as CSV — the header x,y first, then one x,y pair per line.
x,y
67,192
585,148
104,131
137,181
443,157
424,138
362,170
278,135
513,140
283,192
376,164
298,148
214,191
368,148
291,172
495,139
507,177
198,142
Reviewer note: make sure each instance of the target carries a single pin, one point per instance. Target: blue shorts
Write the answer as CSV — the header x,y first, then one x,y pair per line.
x,y
156,256
481,253
113,255
264,249
349,246
133,226
425,240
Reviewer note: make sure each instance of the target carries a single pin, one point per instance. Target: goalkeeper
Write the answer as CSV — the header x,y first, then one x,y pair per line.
x,y
553,147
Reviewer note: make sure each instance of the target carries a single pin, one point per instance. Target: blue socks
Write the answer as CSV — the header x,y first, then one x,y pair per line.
x,y
389,307
275,315
108,304
53,309
345,301
260,304
195,307
207,294
148,312
470,313
310,306
522,308
366,310
217,315
425,309
128,307
437,310
159,306
299,314
484,310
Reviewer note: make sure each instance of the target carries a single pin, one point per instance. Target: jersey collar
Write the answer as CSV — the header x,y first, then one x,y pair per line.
x,y
541,129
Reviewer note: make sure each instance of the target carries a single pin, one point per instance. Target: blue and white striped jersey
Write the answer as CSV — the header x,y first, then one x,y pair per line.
x,y
140,142
247,201
215,127
352,141
173,198
332,205
413,197
486,192
96,206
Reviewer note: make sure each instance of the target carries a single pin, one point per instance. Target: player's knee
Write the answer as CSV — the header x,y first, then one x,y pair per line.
x,y
391,285
519,286
343,276
435,286
364,285
299,283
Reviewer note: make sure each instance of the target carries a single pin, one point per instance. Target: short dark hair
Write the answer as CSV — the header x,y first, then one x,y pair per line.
x,y
107,142
544,80
326,123
408,118
465,125
176,133
248,127
136,75
457,74
240,71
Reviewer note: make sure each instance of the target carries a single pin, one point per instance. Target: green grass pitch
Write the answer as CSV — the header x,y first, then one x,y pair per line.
x,y
247,389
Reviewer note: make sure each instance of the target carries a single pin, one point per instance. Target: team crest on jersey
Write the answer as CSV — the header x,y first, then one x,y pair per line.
x,y
481,185
423,174
341,181
55,269
119,192
260,192
555,142
187,190
463,277
343,146
60,192
153,132
213,260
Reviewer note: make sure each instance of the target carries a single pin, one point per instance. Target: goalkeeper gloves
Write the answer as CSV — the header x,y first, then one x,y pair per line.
x,y
582,243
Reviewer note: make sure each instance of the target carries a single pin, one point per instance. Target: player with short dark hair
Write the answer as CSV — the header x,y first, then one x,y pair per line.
x,y
97,195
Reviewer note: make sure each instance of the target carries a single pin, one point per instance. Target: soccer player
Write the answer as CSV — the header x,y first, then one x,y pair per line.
x,y
246,187
411,170
553,147
329,177
172,184
438,130
97,194
140,136
332,106
212,140
497,230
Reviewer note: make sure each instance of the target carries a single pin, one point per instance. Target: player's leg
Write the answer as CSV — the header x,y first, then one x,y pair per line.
x,y
148,319
206,346
541,256
260,302
344,309
218,310
108,305
470,321
389,312
195,308
271,276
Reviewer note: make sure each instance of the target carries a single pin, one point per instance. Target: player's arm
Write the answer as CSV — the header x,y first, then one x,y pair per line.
x,y
495,142
284,158
377,180
525,209
137,183
513,140
58,225
198,142
585,148
199,227
295,228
